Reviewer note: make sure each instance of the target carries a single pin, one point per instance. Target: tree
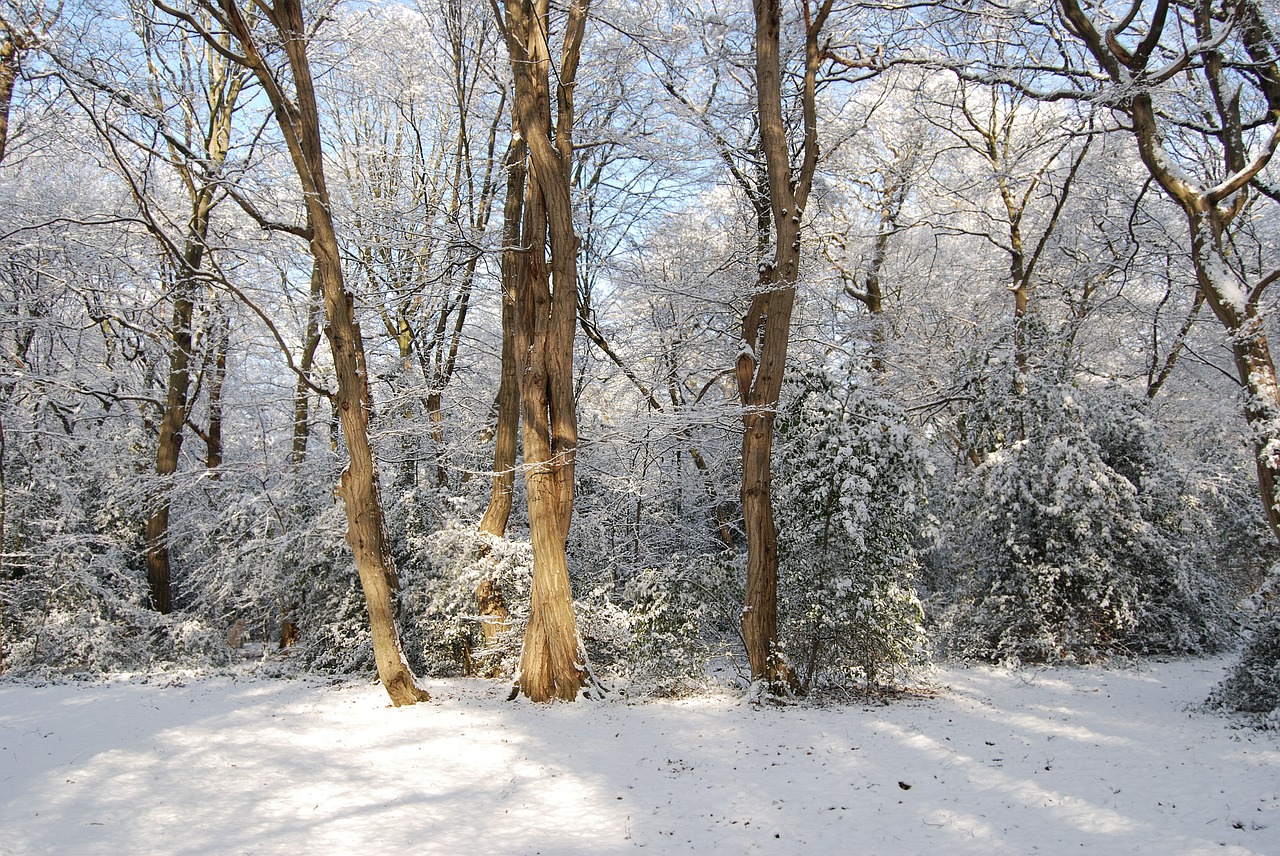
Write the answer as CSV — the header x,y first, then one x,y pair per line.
x,y
1234,110
1233,65
490,601
188,99
213,137
553,663
19,35
298,119
422,175
1029,160
767,324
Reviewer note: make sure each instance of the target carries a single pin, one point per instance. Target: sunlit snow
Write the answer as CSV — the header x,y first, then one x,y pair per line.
x,y
993,762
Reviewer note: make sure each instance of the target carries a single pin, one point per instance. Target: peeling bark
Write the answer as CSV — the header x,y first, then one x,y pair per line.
x,y
298,118
553,663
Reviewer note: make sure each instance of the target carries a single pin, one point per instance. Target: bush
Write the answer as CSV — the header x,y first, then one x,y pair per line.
x,y
1070,539
848,493
442,631
1252,685
681,616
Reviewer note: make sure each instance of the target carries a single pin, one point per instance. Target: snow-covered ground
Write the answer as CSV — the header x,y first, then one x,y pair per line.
x,y
1098,761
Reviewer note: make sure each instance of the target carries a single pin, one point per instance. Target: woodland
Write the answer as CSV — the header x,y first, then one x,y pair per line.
x,y
598,344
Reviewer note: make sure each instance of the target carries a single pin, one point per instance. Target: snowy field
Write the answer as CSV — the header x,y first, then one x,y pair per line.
x,y
1099,761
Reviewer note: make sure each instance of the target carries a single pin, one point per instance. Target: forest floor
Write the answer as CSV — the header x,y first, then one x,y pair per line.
x,y
992,761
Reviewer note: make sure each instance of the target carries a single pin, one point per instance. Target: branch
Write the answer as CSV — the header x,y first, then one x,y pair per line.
x,y
223,282
1221,191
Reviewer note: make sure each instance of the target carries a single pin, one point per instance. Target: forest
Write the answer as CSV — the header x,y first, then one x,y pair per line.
x,y
595,344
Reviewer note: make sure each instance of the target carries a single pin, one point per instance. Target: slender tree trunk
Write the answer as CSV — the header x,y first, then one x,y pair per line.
x,y
766,330
872,294
506,440
498,510
358,487
301,392
1156,377
490,603
213,440
169,443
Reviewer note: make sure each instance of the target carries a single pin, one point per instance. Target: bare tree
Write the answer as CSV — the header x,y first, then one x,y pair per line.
x,y
1229,53
553,663
19,35
197,138
1031,162
290,90
766,327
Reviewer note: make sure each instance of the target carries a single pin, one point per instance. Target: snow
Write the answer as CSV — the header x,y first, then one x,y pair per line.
x,y
997,761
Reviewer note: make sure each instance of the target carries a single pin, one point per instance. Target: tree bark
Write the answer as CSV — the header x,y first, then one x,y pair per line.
x,y
553,663
169,442
301,393
10,67
766,330
358,487
218,369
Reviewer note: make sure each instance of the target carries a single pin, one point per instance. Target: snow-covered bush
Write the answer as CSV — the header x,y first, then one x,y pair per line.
x,y
270,550
1068,538
1253,684
73,594
681,615
848,488
440,574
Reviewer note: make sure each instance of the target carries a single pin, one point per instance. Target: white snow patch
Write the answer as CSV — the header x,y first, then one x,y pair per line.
x,y
999,762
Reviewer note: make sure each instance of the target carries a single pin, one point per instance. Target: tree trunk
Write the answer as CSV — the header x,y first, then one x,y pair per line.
x,y
169,443
9,69
1246,327
301,393
553,663
213,440
498,510
299,122
490,603
766,330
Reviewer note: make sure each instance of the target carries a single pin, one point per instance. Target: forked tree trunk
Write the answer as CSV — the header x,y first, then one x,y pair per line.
x,y
553,663
766,329
299,123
